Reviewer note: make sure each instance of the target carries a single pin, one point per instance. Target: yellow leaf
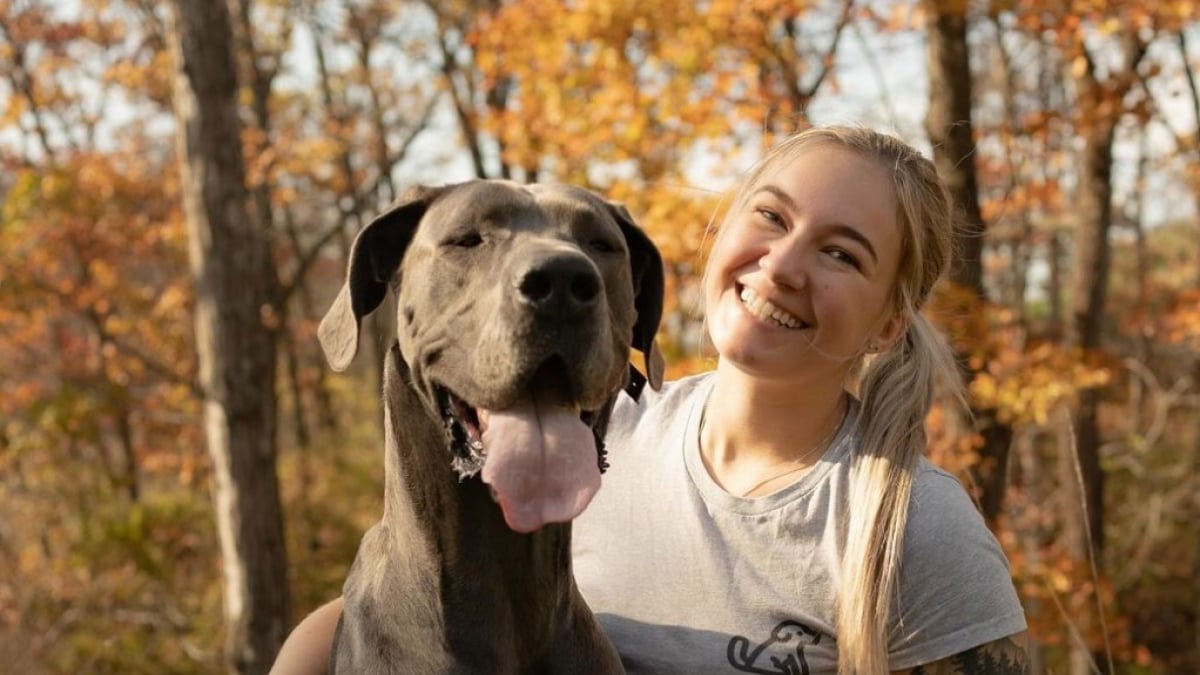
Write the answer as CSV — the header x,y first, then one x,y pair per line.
x,y
1079,66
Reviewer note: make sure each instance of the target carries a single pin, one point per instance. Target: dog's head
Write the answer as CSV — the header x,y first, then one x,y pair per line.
x,y
517,309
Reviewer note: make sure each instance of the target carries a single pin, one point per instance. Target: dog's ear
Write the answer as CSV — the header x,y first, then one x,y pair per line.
x,y
646,268
374,258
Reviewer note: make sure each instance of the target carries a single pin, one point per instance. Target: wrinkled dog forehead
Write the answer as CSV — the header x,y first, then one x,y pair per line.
x,y
516,207
572,205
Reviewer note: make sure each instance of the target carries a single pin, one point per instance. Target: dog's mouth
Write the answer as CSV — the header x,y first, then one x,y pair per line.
x,y
541,457
465,426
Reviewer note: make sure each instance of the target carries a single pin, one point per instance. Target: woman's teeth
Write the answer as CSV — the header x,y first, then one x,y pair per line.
x,y
763,309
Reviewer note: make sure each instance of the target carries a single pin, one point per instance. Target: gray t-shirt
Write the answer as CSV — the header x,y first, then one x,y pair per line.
x,y
686,578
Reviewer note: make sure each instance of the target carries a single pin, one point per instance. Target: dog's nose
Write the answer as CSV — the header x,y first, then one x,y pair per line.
x,y
560,285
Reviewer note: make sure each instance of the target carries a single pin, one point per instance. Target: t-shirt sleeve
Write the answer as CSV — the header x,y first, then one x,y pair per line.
x,y
956,591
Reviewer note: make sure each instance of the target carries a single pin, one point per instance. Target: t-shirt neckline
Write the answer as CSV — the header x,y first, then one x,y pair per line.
x,y
713,494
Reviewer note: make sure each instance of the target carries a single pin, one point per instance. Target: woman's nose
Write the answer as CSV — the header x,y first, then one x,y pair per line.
x,y
784,264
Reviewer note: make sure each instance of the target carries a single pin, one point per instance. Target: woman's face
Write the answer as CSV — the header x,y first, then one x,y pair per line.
x,y
801,276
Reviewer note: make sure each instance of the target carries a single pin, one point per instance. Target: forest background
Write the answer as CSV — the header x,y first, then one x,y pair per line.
x,y
182,478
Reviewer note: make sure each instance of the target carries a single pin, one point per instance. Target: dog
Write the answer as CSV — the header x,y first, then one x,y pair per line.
x,y
517,308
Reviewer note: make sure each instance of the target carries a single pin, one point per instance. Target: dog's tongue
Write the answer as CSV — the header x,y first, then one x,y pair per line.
x,y
541,463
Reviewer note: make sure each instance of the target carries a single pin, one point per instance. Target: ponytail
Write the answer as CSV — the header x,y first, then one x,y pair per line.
x,y
897,390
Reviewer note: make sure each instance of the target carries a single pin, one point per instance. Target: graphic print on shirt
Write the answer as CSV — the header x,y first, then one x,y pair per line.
x,y
781,654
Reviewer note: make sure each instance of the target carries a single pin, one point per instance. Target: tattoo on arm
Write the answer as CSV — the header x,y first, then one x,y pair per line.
x,y
1002,657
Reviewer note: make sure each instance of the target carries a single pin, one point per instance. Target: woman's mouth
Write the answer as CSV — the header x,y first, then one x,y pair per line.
x,y
762,308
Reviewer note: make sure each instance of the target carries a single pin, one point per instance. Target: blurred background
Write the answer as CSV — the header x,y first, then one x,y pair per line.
x,y
181,476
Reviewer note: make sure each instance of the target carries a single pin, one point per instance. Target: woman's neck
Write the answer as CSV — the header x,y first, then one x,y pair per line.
x,y
753,425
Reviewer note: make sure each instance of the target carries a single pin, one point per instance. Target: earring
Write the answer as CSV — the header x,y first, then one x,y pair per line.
x,y
872,347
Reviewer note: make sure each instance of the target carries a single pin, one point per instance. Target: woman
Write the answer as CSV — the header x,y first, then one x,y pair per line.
x,y
777,515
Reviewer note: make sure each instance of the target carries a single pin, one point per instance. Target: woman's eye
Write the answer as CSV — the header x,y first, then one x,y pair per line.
x,y
845,257
769,216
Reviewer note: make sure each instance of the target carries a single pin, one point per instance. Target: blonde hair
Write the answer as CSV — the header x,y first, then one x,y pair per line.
x,y
896,388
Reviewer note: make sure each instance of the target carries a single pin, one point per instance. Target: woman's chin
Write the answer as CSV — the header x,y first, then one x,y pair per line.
x,y
754,355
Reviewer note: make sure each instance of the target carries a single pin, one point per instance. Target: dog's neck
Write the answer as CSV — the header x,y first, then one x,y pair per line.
x,y
494,576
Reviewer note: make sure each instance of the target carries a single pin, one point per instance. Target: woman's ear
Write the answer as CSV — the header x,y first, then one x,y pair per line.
x,y
890,333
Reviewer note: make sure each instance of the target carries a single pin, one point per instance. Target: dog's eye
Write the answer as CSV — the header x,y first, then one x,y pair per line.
x,y
464,240
603,246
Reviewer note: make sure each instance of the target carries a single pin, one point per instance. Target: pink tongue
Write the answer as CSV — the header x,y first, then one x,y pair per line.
x,y
541,463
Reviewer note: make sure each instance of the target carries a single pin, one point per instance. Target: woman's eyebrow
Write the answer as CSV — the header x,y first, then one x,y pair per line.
x,y
853,233
779,194
838,228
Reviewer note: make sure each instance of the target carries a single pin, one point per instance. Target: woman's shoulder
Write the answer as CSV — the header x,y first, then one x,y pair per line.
x,y
939,499
653,411
945,527
673,396
951,559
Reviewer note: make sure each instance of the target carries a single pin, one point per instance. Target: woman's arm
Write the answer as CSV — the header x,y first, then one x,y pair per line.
x,y
306,650
1005,656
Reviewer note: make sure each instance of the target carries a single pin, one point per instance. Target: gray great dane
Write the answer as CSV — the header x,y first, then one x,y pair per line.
x,y
517,309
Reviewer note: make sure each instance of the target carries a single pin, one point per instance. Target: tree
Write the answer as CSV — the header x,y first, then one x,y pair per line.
x,y
99,444
235,323
1188,145
951,133
1101,106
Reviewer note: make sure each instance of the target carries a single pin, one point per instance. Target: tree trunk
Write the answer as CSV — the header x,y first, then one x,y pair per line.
x,y
951,133
235,327
948,123
1194,88
1054,284
1196,518
1085,326
1089,290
